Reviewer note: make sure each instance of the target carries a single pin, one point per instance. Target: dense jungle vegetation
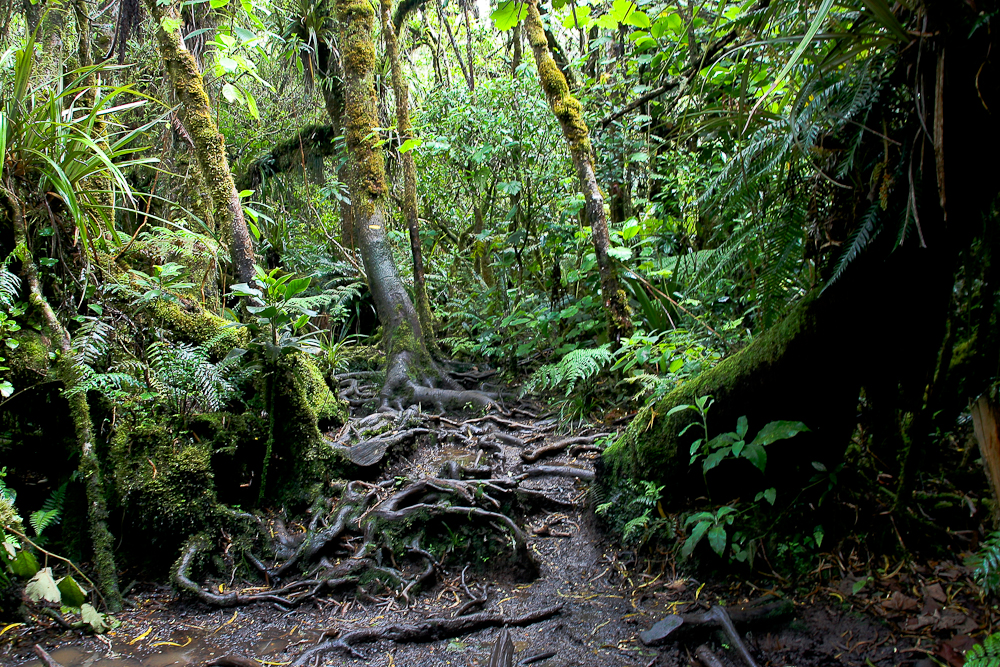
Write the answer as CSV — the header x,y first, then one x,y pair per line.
x,y
254,254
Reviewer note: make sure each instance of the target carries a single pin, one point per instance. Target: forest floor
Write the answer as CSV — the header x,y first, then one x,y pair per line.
x,y
909,613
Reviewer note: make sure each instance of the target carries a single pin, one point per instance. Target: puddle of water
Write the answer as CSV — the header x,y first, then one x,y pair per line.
x,y
459,455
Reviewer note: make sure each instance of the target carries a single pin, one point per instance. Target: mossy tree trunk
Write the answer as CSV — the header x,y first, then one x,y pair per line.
x,y
411,374
89,468
405,129
208,143
568,111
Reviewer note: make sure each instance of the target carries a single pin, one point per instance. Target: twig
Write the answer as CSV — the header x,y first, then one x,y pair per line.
x,y
45,657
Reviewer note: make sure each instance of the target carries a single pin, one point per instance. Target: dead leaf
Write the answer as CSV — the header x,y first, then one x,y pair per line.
x,y
900,602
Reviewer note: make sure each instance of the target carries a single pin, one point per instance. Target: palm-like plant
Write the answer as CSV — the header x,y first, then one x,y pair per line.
x,y
54,154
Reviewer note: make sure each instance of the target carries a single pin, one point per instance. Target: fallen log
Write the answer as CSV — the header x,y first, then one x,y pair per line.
x,y
557,471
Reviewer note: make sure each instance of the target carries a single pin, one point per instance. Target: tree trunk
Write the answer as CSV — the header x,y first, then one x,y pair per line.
x,y
516,50
411,375
468,45
208,142
567,110
89,468
405,129
454,45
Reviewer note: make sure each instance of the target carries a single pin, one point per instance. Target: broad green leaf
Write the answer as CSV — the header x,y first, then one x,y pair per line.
x,y
630,231
675,365
717,539
509,14
581,20
25,565
43,587
169,24
228,41
607,21
621,254
218,4
738,447
251,104
778,430
692,541
410,144
818,536
72,594
741,426
715,458
637,19
756,455
98,622
622,10
770,495
678,408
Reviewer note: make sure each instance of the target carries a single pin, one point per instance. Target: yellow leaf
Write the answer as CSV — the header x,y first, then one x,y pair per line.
x,y
142,636
8,627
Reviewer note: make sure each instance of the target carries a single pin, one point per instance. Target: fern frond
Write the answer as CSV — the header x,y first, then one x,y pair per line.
x,y
10,286
870,227
986,654
575,367
50,512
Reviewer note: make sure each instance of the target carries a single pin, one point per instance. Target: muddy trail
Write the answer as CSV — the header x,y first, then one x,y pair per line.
x,y
591,603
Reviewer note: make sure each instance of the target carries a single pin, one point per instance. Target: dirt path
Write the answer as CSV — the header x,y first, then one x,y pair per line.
x,y
607,599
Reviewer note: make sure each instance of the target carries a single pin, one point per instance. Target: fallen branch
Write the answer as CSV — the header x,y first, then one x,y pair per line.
x,y
431,629
45,657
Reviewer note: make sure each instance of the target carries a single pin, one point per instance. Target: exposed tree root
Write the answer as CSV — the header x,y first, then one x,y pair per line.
x,y
561,445
430,630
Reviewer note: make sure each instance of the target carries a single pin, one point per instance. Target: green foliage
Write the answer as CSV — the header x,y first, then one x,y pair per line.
x,y
987,564
10,309
986,654
577,366
186,378
50,512
280,314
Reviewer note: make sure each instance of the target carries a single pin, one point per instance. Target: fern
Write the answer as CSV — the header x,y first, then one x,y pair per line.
x,y
10,286
987,571
51,511
575,367
870,227
986,654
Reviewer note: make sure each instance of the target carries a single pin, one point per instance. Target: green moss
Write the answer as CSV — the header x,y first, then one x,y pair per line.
x,y
330,411
165,486
651,447
190,323
9,516
29,361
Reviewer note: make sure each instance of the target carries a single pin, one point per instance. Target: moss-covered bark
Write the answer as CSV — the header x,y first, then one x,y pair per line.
x,y
208,143
768,380
403,334
65,371
405,129
568,111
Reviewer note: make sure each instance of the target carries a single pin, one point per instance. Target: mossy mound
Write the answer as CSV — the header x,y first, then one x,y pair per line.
x,y
190,323
29,361
166,486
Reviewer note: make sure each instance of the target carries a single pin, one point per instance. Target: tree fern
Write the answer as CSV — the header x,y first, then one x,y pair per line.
x,y
575,367
987,572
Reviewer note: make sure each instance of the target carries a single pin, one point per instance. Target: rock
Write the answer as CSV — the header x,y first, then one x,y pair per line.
x,y
661,630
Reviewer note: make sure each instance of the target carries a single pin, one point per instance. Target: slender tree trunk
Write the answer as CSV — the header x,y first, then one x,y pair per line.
x,y
411,375
208,142
516,50
89,468
454,46
468,45
405,129
567,110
